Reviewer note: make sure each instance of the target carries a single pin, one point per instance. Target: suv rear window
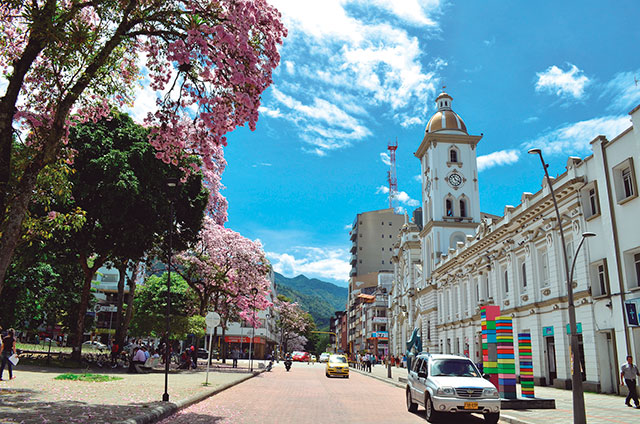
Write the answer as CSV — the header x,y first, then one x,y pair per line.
x,y
453,368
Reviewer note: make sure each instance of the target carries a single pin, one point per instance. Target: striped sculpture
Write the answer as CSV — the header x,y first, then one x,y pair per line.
x,y
488,316
526,364
506,358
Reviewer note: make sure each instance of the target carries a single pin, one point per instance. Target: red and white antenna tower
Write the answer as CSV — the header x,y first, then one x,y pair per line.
x,y
391,175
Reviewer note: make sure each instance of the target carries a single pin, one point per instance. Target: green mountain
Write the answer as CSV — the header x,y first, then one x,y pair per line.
x,y
320,298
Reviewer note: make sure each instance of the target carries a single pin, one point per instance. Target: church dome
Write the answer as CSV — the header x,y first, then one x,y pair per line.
x,y
445,119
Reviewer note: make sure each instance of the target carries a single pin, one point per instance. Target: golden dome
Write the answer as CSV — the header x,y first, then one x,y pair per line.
x,y
445,119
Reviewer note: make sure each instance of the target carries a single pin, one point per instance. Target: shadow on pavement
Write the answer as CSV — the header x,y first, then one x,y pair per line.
x,y
454,419
18,406
193,418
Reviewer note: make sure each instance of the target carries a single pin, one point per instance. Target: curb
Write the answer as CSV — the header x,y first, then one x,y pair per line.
x,y
505,418
159,412
384,379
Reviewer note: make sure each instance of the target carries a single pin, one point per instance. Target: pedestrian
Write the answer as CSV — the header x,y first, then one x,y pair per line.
x,y
628,373
235,355
194,357
115,350
8,350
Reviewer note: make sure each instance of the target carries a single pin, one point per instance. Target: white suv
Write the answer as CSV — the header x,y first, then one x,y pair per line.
x,y
448,384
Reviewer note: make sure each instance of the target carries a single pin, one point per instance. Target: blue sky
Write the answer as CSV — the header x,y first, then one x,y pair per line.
x,y
356,74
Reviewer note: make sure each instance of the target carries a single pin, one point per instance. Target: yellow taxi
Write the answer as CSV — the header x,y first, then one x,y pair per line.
x,y
337,365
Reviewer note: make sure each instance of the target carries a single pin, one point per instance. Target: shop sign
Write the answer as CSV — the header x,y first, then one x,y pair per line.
x,y
547,331
632,310
379,320
243,339
578,328
380,335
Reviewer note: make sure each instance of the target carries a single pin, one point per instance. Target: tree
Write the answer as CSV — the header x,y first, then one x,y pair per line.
x,y
150,305
224,267
120,183
292,322
212,56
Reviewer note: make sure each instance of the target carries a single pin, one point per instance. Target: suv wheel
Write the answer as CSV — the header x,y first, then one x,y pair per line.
x,y
411,406
431,415
492,418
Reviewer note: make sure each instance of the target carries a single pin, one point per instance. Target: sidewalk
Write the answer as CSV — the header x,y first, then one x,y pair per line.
x,y
601,408
36,397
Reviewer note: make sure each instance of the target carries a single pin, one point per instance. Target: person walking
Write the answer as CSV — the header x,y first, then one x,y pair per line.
x,y
235,354
8,349
628,373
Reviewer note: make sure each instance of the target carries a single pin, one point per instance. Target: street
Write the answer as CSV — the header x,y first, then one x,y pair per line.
x,y
305,395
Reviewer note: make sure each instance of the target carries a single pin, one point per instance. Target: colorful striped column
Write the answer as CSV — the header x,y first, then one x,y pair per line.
x,y
506,358
488,316
526,365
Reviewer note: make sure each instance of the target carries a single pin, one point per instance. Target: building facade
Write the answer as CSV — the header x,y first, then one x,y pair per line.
x,y
372,235
516,261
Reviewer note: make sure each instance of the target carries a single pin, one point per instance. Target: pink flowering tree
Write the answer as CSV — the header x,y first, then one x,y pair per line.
x,y
70,61
228,273
292,321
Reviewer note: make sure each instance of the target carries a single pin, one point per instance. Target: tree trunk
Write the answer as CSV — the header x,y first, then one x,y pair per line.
x,y
224,343
129,313
76,355
122,269
11,228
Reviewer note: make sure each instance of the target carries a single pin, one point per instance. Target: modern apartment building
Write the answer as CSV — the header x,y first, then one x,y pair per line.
x,y
372,235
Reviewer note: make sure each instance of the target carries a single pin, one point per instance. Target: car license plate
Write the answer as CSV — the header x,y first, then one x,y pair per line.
x,y
471,405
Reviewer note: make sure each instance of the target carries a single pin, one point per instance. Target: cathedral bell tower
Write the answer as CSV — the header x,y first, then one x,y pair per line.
x,y
450,197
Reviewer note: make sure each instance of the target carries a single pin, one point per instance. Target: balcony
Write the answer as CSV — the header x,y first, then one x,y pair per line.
x,y
354,260
353,272
354,247
353,234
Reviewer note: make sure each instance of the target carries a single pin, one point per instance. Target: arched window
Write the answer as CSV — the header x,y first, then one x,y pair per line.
x,y
463,208
453,155
449,207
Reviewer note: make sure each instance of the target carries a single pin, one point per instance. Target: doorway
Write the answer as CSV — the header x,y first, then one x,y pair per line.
x,y
551,359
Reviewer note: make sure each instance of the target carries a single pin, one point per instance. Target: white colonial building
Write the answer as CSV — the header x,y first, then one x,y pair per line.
x,y
515,261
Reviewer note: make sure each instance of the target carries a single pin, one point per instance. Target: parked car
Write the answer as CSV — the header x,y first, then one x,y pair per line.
x,y
95,344
448,385
337,365
324,357
301,356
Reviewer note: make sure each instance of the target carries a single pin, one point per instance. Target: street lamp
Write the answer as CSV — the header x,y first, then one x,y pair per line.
x,y
579,413
172,183
254,292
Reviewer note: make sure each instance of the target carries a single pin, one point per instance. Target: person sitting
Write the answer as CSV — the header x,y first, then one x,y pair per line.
x,y
137,361
185,361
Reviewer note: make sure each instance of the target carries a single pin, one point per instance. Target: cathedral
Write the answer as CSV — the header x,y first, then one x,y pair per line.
x,y
459,259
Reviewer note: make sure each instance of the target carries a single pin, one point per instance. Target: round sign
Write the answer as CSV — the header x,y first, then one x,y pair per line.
x,y
212,319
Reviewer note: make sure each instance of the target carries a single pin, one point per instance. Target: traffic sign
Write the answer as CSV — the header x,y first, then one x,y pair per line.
x,y
212,320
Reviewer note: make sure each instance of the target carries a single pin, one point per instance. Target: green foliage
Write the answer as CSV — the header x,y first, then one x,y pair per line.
x,y
150,305
44,283
319,298
95,378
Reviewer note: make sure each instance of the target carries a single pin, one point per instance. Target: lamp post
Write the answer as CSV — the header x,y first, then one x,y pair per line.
x,y
254,292
579,412
172,183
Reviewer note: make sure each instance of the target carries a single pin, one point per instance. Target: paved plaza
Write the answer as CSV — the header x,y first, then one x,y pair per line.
x,y
601,408
36,397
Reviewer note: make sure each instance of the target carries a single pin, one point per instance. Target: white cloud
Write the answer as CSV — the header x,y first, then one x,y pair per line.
x,y
316,262
531,119
624,89
354,55
418,178
273,113
401,196
502,157
348,227
573,139
570,83
384,157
